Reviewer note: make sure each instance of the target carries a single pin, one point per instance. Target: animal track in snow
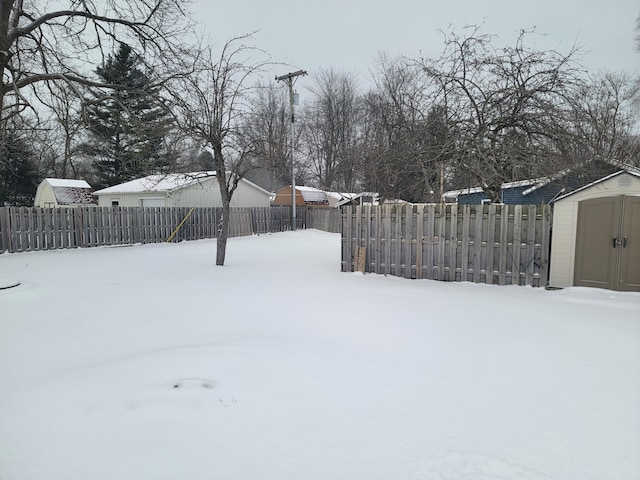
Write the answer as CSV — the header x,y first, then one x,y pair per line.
x,y
192,383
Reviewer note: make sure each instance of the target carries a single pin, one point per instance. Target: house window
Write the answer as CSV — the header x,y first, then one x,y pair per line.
x,y
115,203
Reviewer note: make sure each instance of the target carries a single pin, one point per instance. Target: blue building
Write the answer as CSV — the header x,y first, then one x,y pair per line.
x,y
525,192
538,190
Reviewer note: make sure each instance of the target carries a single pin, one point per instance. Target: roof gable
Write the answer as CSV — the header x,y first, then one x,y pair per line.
x,y
631,171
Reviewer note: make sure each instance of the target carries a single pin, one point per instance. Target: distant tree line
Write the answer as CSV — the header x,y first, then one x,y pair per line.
x,y
113,90
475,116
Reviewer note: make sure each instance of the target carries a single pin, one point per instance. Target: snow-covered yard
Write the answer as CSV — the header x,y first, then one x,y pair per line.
x,y
150,363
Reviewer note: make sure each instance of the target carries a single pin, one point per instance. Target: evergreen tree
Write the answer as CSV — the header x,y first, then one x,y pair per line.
x,y
19,176
128,127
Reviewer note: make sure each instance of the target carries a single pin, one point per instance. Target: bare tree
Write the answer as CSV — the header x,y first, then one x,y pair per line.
x,y
403,142
268,128
40,45
64,128
331,128
213,106
505,104
603,120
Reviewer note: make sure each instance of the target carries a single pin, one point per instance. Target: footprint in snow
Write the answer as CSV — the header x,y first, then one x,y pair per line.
x,y
192,383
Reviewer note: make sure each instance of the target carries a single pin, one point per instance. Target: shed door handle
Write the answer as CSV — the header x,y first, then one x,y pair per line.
x,y
616,242
624,242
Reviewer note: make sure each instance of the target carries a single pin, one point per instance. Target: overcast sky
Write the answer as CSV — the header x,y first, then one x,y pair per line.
x,y
348,34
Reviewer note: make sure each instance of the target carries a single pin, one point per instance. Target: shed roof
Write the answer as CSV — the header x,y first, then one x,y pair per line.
x,y
74,196
312,195
67,182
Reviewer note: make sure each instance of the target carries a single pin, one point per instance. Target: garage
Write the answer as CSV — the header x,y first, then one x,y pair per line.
x,y
596,235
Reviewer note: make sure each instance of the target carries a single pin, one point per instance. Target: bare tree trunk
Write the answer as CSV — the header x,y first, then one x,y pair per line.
x,y
223,234
209,102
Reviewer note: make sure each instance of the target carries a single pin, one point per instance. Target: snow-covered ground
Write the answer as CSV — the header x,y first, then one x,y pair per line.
x,y
150,363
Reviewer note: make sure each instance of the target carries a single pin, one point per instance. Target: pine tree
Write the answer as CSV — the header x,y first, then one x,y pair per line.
x,y
128,126
19,176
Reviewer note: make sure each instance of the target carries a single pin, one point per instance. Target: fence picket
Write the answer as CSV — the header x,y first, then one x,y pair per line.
x,y
429,243
419,240
529,269
347,220
545,245
491,244
466,219
517,245
478,244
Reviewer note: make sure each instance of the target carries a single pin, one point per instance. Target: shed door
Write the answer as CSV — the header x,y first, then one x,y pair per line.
x,y
630,251
608,243
596,258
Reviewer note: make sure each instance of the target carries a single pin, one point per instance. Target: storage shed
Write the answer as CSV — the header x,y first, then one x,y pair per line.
x,y
196,189
596,234
63,192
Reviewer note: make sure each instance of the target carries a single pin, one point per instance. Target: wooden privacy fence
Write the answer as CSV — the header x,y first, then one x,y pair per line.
x,y
495,244
29,228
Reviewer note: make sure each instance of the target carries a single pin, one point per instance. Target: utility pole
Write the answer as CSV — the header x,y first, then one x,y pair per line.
x,y
289,79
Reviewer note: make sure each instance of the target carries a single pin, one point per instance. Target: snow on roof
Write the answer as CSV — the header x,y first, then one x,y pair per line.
x,y
368,198
536,182
341,195
67,182
465,191
158,183
312,195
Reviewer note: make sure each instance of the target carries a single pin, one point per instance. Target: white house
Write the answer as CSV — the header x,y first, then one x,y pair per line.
x,y
63,192
596,234
196,189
